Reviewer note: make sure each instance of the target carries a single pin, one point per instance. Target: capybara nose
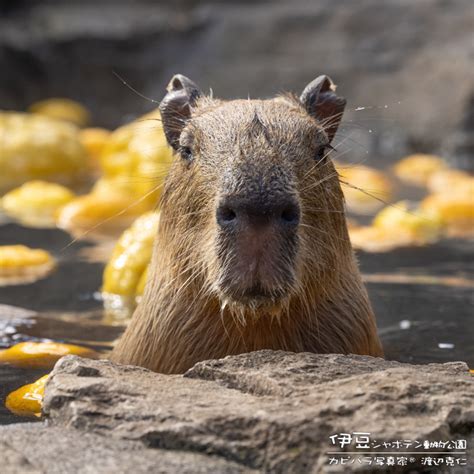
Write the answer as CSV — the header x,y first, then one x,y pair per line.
x,y
237,213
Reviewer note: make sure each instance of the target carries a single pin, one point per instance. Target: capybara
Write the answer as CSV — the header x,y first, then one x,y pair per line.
x,y
252,250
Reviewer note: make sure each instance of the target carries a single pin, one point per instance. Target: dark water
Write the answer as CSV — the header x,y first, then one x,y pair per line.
x,y
422,319
423,299
62,307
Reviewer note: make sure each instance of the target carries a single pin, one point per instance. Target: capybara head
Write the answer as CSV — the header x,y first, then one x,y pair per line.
x,y
252,205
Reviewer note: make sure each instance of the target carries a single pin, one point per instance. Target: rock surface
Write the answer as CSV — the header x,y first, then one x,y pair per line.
x,y
265,411
405,67
40,449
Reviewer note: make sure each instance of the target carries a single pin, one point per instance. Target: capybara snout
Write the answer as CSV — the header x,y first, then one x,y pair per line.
x,y
242,213
256,243
252,250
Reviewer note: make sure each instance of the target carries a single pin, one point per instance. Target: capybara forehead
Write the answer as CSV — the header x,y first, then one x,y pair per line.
x,y
277,122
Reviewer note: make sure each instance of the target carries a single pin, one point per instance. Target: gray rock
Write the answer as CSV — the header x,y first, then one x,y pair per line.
x,y
12,460
270,411
40,449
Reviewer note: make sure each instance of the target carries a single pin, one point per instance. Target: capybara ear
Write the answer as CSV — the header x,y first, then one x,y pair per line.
x,y
175,108
322,103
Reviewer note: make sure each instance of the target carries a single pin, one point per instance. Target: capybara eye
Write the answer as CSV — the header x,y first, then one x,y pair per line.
x,y
186,153
323,152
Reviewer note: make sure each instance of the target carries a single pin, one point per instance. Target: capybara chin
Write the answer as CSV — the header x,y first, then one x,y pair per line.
x,y
252,250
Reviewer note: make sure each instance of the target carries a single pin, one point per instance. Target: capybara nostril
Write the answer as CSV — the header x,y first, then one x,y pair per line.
x,y
245,212
291,214
225,215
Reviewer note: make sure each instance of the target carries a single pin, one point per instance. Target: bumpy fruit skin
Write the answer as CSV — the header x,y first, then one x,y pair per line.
x,y
142,282
137,158
42,355
94,141
37,147
456,212
62,109
417,169
28,399
453,182
99,213
375,239
420,226
21,262
36,202
123,274
396,226
378,188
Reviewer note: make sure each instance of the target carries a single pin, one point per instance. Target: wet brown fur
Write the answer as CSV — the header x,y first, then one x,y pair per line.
x,y
183,317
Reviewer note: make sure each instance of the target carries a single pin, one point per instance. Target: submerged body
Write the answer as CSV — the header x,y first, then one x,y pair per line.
x,y
252,250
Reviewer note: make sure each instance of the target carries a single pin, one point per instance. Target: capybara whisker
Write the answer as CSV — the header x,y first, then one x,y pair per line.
x,y
252,250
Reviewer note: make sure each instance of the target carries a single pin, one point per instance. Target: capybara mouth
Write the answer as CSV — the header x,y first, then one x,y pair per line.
x,y
254,292
255,295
